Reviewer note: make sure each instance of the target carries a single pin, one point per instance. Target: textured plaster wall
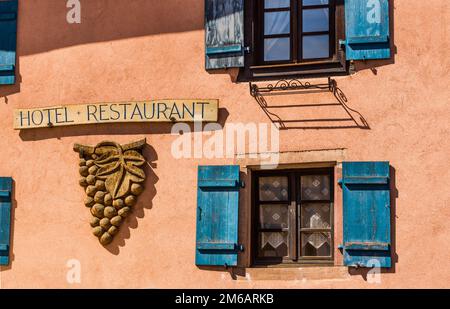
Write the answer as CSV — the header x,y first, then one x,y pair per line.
x,y
133,50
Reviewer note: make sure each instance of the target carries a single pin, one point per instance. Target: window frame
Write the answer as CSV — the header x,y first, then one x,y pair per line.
x,y
254,70
296,33
294,234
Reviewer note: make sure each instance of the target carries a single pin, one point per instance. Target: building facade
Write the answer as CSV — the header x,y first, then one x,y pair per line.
x,y
319,159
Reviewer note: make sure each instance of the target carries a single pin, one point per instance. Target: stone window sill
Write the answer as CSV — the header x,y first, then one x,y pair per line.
x,y
296,273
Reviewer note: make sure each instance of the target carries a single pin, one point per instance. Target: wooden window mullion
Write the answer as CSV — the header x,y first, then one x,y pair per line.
x,y
293,218
299,212
299,33
294,30
332,28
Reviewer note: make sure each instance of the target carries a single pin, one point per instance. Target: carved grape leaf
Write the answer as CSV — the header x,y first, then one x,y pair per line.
x,y
119,169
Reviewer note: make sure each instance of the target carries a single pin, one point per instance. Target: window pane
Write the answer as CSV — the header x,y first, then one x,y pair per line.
x,y
316,46
316,187
277,23
273,244
275,4
273,216
316,20
316,216
273,189
277,49
315,2
316,244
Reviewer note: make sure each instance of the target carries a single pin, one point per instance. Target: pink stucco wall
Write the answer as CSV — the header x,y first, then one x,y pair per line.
x,y
150,49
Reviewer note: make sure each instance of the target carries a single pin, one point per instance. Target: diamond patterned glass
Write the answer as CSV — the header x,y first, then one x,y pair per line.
x,y
273,216
273,244
273,189
316,244
316,187
316,216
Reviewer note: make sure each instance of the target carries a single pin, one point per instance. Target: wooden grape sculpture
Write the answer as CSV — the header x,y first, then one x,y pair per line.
x,y
113,178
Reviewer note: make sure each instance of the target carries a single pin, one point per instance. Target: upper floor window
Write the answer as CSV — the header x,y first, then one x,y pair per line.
x,y
293,37
295,31
281,39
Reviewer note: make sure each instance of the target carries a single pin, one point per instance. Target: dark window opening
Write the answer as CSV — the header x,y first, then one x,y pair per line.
x,y
293,217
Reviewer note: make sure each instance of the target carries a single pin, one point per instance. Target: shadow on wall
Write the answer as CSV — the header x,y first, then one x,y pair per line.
x,y
103,20
374,64
42,25
144,202
294,116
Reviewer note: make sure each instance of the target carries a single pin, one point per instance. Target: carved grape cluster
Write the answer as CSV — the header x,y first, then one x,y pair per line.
x,y
113,178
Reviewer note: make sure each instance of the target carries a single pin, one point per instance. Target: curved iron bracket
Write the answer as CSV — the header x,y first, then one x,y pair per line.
x,y
291,85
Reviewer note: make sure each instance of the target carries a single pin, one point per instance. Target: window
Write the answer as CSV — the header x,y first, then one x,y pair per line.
x,y
293,217
295,31
282,39
288,38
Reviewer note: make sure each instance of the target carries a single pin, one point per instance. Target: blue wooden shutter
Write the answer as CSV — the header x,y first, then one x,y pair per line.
x,y
5,218
217,216
8,37
224,28
367,214
367,29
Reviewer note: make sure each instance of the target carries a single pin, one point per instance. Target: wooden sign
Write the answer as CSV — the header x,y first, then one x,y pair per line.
x,y
145,111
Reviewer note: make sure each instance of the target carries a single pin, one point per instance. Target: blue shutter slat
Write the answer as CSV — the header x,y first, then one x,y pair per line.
x,y
367,246
367,29
217,216
223,50
223,183
367,180
367,214
216,246
8,38
224,30
5,219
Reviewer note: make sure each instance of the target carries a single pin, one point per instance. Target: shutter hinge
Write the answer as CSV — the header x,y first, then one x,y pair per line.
x,y
5,193
351,68
242,184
